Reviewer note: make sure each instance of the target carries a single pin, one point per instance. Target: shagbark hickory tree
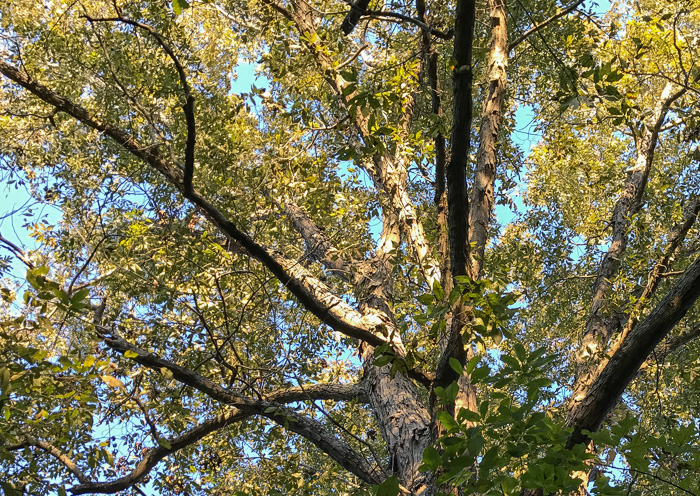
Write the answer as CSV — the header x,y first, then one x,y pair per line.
x,y
297,282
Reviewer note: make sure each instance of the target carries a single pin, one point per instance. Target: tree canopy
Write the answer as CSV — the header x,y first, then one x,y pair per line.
x,y
303,247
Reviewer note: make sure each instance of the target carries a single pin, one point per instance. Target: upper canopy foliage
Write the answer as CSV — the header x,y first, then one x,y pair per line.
x,y
242,238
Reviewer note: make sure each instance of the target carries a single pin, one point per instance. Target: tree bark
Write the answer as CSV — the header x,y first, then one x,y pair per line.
x,y
482,197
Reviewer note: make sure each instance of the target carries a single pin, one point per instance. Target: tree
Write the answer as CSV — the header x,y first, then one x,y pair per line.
x,y
303,286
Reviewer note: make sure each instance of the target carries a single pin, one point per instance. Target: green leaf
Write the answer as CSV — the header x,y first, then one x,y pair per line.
x,y
112,381
511,362
41,271
431,458
520,352
80,295
468,415
613,77
456,366
472,363
390,487
426,299
451,392
179,6
446,420
438,291
382,360
480,373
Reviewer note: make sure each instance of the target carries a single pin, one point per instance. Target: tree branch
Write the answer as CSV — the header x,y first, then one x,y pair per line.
x,y
659,270
388,173
188,108
340,392
154,455
357,9
457,196
311,392
600,327
613,376
270,406
318,245
440,199
462,80
16,251
670,345
58,454
330,309
377,14
544,24
482,198
334,447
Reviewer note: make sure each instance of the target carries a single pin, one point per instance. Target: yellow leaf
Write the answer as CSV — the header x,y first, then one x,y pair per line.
x,y
112,381
89,361
130,354
166,372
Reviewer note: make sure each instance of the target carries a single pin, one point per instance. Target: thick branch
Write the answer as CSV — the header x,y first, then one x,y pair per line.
x,y
462,78
334,447
670,345
318,245
147,154
357,9
388,173
339,392
600,327
188,108
375,14
270,406
662,265
59,455
16,251
154,455
330,309
457,201
336,392
610,381
440,200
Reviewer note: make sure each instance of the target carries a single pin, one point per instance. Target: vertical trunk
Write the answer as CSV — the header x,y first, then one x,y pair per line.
x,y
404,423
460,141
482,197
431,58
603,322
403,420
600,381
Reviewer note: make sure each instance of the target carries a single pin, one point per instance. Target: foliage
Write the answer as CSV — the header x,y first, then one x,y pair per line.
x,y
295,322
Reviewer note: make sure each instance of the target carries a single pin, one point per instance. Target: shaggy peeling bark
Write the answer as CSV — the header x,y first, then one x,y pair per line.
x,y
482,197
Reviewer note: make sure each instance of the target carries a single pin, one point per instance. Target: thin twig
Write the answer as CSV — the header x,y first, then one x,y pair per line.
x,y
544,24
